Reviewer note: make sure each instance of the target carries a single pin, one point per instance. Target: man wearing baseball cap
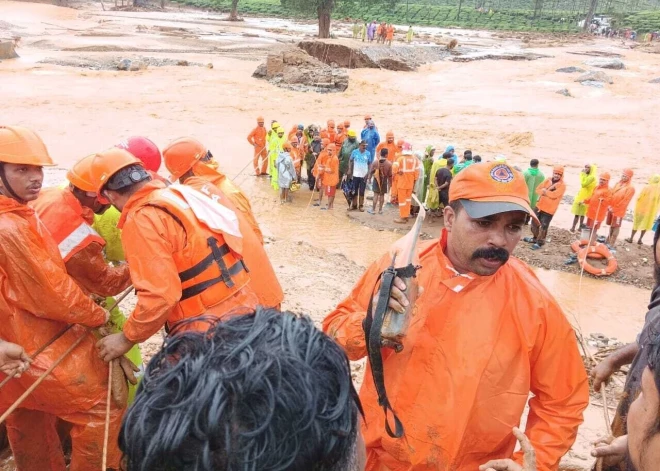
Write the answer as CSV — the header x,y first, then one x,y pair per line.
x,y
484,333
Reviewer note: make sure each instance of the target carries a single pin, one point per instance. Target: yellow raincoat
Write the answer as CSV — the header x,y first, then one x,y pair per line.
x,y
587,185
647,205
275,144
432,199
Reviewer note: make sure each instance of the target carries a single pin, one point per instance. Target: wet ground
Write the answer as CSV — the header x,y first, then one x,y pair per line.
x,y
493,107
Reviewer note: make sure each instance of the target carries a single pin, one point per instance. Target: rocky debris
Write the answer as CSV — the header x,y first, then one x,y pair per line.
x,y
119,63
597,53
7,49
131,65
601,341
296,70
570,70
595,76
657,80
614,64
592,83
565,92
401,58
508,56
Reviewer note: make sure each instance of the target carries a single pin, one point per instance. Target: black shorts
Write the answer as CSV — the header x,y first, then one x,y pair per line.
x,y
544,219
378,189
444,197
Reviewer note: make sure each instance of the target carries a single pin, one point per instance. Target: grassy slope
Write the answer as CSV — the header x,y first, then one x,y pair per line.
x,y
510,15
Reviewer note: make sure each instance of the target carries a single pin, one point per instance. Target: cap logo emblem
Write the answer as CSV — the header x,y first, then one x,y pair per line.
x,y
501,173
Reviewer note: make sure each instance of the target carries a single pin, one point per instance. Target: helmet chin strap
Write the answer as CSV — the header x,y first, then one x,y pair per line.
x,y
8,187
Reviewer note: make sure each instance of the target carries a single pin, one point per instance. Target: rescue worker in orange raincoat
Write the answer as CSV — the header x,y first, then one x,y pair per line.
x,y
297,156
185,253
329,133
319,169
257,139
407,171
39,300
485,333
599,203
389,144
182,160
394,197
550,192
622,195
68,214
341,135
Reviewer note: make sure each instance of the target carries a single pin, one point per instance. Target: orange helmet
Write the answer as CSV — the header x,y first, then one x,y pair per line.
x,y
105,164
260,119
286,146
181,154
80,175
389,134
347,124
331,124
144,149
325,141
22,146
340,126
331,147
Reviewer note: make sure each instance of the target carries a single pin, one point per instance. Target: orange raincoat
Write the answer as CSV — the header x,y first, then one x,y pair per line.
x,y
257,138
166,247
392,151
38,300
331,171
80,246
409,166
319,167
548,202
233,192
598,203
622,195
467,368
262,276
296,156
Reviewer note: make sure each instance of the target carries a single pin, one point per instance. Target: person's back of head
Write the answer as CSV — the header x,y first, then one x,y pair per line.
x,y
467,155
262,391
477,159
534,163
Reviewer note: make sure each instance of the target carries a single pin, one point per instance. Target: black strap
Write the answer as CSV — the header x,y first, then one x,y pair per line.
x,y
226,273
10,190
199,268
373,325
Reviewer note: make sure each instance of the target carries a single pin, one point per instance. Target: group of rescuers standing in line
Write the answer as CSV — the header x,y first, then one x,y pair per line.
x,y
261,389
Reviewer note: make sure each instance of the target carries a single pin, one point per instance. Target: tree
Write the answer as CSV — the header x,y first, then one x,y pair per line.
x,y
590,15
323,10
233,16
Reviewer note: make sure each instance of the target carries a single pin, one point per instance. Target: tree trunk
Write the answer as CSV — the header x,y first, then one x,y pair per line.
x,y
233,16
590,15
460,4
325,13
538,6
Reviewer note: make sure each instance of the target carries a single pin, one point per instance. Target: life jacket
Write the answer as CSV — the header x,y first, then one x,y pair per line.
x,y
67,221
209,269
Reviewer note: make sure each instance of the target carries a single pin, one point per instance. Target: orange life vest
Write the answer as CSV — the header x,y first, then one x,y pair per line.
x,y
67,221
209,270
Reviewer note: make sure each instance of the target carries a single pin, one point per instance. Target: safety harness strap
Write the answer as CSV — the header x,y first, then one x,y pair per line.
x,y
216,255
373,325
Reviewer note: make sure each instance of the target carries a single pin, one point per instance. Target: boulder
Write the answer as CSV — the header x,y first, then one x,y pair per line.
x,y
605,63
595,76
565,92
137,65
124,64
7,49
593,83
570,70
655,80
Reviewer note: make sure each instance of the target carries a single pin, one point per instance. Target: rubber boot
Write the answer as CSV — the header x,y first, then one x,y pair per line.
x,y
361,206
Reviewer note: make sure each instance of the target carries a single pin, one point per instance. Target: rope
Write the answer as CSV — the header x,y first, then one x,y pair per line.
x,y
43,376
64,331
106,433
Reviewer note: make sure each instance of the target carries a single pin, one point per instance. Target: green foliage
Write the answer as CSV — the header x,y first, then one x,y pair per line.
x,y
507,15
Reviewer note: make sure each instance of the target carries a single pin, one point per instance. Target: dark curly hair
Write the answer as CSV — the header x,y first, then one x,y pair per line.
x,y
266,391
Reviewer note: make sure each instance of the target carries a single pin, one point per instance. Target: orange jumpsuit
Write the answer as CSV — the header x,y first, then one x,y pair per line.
x,y
80,246
467,367
297,157
409,166
233,192
598,203
392,150
339,140
329,134
38,300
173,266
622,195
265,283
257,138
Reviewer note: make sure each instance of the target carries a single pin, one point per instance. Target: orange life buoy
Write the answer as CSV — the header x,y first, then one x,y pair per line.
x,y
601,249
581,244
